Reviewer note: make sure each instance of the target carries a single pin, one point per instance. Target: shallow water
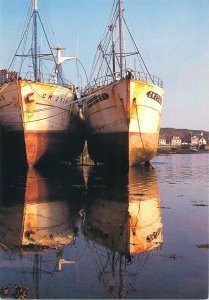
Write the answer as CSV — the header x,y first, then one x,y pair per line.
x,y
94,233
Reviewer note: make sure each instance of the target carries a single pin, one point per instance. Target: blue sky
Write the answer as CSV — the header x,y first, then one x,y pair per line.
x,y
172,36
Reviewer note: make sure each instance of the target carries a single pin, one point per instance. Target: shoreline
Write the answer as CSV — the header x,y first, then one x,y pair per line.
x,y
164,150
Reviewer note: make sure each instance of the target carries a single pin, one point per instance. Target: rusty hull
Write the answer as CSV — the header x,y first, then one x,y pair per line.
x,y
131,225
124,128
39,120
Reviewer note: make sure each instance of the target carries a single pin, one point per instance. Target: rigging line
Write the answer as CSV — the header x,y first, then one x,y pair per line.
x,y
48,22
104,36
109,254
101,90
53,272
49,283
140,133
83,68
104,58
57,88
23,50
24,271
51,50
26,111
142,265
79,257
19,44
13,266
91,252
31,121
15,88
111,15
47,69
4,86
138,50
18,32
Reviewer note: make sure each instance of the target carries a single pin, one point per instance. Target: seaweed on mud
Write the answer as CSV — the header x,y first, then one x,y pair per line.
x,y
203,246
17,292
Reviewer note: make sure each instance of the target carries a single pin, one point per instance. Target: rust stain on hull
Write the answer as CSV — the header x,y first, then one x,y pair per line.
x,y
123,127
57,145
132,225
40,119
126,148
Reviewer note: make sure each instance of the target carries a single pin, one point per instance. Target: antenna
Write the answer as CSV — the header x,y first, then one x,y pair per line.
x,y
120,14
35,11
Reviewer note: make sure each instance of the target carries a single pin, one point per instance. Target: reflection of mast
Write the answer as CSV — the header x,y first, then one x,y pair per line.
x,y
36,274
45,220
43,217
121,293
123,227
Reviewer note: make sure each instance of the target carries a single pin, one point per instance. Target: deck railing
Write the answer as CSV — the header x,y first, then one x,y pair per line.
x,y
48,78
111,78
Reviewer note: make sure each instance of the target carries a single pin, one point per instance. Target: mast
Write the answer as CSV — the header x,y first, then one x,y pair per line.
x,y
120,36
111,28
35,59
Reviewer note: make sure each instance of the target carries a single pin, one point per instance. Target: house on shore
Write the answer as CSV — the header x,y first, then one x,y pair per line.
x,y
162,141
198,140
176,141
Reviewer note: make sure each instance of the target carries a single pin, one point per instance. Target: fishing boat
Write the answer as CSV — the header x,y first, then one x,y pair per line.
x,y
39,224
35,212
129,224
39,116
122,101
123,227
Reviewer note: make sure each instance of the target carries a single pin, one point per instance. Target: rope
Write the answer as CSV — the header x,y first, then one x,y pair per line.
x,y
140,132
138,51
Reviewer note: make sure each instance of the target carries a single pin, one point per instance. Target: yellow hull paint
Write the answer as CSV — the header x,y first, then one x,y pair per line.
x,y
132,225
43,119
124,118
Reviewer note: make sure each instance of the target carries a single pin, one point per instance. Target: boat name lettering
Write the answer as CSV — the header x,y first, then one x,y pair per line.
x,y
154,235
58,99
97,99
48,97
154,96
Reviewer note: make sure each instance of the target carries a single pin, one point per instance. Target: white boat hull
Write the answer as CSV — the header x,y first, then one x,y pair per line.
x,y
38,120
123,122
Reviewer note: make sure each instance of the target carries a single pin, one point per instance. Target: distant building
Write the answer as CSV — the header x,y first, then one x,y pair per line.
x,y
198,140
162,141
176,141
6,76
194,140
202,141
185,139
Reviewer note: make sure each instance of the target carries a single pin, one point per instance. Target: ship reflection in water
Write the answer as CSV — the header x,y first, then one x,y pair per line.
x,y
58,227
122,226
38,215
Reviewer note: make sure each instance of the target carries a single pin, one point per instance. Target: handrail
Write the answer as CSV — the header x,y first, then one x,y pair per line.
x,y
105,80
47,78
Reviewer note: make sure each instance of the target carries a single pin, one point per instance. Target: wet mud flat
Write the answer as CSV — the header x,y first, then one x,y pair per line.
x,y
87,232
